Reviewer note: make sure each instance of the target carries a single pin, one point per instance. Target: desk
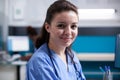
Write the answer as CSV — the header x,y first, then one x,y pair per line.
x,y
17,68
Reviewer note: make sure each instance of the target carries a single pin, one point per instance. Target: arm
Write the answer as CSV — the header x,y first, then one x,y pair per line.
x,y
40,69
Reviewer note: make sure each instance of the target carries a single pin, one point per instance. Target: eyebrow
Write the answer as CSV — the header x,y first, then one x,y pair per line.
x,y
65,22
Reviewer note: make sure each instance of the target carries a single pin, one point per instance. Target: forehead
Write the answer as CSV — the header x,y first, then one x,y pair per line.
x,y
66,16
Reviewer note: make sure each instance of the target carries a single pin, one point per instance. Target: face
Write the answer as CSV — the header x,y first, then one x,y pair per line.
x,y
63,28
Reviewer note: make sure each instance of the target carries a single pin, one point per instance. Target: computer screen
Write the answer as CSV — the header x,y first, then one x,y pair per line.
x,y
18,43
117,52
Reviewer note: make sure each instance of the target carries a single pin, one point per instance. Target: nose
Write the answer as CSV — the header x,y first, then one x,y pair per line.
x,y
67,30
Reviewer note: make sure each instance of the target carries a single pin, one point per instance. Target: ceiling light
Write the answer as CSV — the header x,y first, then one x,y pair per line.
x,y
96,13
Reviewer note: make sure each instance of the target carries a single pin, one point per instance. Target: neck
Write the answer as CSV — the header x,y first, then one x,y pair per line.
x,y
60,51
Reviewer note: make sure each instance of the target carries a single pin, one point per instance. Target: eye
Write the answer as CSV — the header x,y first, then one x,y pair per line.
x,y
61,26
74,26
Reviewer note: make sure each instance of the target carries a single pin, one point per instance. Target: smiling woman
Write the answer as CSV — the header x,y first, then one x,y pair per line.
x,y
63,29
54,59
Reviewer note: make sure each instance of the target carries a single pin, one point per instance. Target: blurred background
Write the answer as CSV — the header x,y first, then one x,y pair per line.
x,y
97,44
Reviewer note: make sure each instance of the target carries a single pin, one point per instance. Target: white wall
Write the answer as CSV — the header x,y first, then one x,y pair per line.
x,y
33,11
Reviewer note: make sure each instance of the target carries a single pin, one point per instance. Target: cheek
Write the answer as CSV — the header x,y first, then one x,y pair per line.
x,y
75,33
58,32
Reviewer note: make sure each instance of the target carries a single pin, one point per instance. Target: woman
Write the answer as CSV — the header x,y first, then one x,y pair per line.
x,y
54,59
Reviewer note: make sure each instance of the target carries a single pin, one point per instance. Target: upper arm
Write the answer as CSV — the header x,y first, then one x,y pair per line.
x,y
40,69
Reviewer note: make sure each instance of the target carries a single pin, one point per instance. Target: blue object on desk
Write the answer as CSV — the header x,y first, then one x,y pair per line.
x,y
101,69
107,75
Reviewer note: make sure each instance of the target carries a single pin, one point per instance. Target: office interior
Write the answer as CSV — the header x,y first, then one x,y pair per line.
x,y
97,44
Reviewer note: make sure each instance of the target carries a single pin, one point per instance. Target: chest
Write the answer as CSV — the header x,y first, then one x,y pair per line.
x,y
65,72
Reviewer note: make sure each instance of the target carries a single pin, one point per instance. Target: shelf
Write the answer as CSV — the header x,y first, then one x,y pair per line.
x,y
96,56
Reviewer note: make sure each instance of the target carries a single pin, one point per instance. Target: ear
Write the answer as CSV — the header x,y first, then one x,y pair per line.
x,y
47,27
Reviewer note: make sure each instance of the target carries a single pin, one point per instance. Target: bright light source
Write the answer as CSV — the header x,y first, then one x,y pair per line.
x,y
96,13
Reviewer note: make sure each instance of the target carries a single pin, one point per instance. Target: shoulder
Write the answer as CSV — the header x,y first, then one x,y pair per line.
x,y
40,56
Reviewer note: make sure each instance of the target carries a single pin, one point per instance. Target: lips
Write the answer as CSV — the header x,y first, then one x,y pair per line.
x,y
66,39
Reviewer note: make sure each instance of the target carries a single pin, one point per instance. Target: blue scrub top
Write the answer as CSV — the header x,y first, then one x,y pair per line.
x,y
40,66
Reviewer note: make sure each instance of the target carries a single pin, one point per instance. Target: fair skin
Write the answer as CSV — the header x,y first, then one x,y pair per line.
x,y
63,30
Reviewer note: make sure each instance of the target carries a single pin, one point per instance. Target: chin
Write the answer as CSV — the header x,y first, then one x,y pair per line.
x,y
67,44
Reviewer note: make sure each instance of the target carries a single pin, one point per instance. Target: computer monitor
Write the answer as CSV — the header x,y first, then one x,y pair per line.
x,y
117,52
18,43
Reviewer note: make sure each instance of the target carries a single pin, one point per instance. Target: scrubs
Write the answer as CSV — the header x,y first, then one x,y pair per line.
x,y
42,67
